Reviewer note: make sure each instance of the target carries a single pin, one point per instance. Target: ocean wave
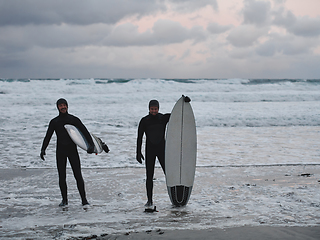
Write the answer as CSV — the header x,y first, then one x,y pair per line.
x,y
177,80
14,80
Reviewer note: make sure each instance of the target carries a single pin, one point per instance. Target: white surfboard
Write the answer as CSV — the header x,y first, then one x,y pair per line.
x,y
78,138
181,153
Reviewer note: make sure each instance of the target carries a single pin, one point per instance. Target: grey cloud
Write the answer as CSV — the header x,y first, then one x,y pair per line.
x,y
306,26
267,49
185,54
19,39
23,12
241,53
12,41
286,45
283,18
166,31
300,26
215,28
259,13
127,34
6,62
279,1
191,5
256,12
245,35
163,32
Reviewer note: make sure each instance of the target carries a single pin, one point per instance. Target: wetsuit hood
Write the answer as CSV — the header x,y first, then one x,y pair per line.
x,y
60,101
154,103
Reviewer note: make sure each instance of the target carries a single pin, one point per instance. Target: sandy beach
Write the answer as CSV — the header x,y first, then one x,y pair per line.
x,y
265,202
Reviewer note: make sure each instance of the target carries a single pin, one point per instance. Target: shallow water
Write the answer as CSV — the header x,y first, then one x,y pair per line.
x,y
222,197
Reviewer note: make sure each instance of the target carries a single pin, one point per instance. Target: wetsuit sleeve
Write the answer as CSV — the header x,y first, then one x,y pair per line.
x,y
84,130
48,136
167,117
140,136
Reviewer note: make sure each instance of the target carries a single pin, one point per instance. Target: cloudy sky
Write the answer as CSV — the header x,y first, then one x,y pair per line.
x,y
160,39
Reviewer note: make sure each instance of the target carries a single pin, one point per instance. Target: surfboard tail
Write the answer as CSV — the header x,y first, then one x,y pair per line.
x,y
97,144
179,195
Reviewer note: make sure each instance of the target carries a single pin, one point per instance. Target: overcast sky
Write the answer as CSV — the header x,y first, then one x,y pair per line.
x,y
160,39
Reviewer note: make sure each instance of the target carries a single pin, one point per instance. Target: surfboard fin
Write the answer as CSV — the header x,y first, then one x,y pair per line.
x,y
105,147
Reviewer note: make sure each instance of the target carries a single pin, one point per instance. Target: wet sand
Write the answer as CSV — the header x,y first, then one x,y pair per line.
x,y
240,233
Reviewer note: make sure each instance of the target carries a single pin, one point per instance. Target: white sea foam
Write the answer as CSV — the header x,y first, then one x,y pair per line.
x,y
112,109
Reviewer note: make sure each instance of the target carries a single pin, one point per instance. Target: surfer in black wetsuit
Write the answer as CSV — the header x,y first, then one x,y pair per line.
x,y
154,126
66,148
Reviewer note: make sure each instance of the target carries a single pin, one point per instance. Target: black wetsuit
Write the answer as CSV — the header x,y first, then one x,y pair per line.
x,y
66,148
154,128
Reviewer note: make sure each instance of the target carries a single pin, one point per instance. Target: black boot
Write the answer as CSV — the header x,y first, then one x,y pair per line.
x,y
63,203
85,202
149,204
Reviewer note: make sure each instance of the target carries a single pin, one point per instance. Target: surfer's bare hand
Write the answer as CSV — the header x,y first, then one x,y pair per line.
x,y
139,157
42,155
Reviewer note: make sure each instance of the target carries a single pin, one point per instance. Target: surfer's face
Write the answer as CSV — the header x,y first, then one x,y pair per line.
x,y
63,108
153,110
